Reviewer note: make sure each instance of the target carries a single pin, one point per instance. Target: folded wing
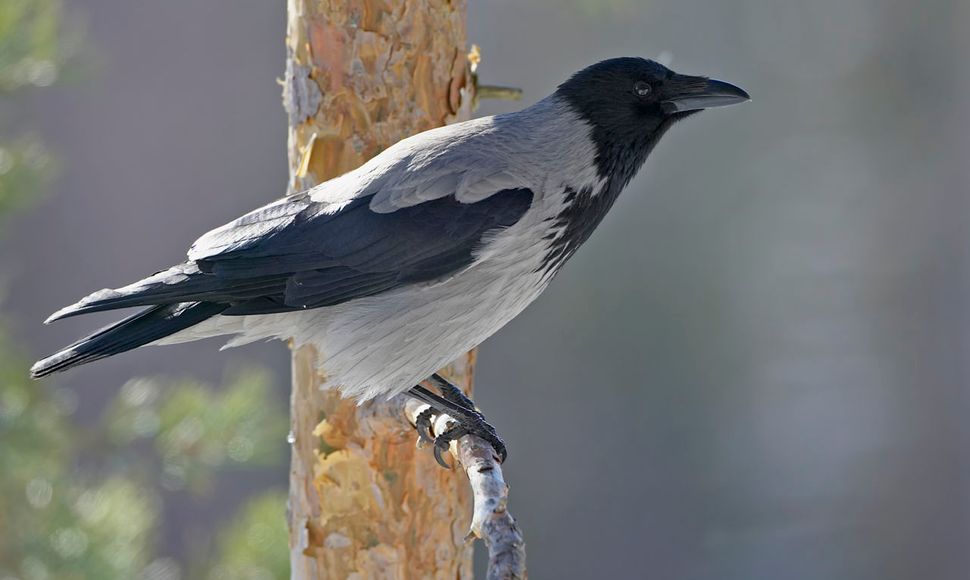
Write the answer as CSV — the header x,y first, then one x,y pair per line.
x,y
298,253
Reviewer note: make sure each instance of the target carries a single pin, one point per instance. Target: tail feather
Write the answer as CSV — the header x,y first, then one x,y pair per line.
x,y
137,330
179,284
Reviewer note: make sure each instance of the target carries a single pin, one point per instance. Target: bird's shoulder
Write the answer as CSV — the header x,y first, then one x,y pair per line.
x,y
468,162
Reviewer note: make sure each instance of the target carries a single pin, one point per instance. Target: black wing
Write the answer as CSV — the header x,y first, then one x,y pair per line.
x,y
297,254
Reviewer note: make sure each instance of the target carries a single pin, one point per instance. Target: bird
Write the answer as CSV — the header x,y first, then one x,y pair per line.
x,y
396,268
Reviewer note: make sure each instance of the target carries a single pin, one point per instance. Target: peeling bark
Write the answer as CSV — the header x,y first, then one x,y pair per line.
x,y
364,502
384,70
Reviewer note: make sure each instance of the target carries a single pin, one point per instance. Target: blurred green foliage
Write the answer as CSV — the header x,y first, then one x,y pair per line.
x,y
58,522
25,166
31,55
63,521
31,50
85,503
254,546
195,430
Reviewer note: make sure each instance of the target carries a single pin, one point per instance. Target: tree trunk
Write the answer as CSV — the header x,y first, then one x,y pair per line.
x,y
364,502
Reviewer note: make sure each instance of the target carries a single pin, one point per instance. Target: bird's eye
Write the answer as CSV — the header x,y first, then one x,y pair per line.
x,y
641,88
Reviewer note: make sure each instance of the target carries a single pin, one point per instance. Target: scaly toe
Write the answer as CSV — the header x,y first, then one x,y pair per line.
x,y
422,425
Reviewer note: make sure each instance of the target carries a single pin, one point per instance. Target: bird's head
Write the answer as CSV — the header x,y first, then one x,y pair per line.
x,y
629,102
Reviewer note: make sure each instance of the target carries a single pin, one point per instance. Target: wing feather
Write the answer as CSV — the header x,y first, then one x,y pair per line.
x,y
416,212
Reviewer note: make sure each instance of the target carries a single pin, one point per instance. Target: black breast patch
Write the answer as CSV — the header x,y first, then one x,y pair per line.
x,y
575,223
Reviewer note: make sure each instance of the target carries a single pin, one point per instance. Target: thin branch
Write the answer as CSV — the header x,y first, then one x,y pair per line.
x,y
498,93
491,520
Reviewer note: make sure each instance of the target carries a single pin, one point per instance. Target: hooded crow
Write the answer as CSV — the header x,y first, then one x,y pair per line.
x,y
396,268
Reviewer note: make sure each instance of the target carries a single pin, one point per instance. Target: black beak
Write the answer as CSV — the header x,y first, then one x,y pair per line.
x,y
695,93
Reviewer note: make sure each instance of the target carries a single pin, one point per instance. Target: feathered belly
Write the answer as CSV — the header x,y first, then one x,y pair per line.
x,y
384,345
387,344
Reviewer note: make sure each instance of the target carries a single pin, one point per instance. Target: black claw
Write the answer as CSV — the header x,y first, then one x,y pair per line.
x,y
440,458
423,425
498,445
442,443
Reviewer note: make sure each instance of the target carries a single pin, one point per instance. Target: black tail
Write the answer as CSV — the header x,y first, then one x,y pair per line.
x,y
138,330
179,284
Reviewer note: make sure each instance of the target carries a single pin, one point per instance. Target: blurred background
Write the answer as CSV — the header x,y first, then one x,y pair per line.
x,y
756,368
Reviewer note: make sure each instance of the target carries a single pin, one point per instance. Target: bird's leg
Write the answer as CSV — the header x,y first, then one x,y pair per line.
x,y
451,392
455,404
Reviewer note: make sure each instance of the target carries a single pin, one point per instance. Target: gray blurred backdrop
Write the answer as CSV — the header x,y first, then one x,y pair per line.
x,y
755,369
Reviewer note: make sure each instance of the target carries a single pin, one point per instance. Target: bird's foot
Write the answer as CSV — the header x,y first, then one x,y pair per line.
x,y
474,424
424,424
466,420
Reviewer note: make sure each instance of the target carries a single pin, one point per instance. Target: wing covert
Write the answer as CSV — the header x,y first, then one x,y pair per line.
x,y
326,257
